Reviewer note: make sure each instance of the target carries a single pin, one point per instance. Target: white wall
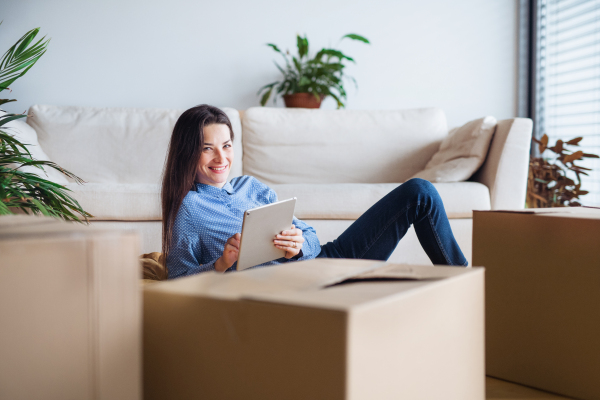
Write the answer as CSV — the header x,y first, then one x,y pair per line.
x,y
459,55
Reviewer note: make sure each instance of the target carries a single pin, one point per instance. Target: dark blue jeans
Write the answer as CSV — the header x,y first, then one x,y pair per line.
x,y
375,235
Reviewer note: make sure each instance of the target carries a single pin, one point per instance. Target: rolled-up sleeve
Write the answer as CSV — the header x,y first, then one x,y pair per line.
x,y
311,246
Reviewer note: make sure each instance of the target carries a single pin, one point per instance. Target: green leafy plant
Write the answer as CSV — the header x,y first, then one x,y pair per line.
x,y
18,189
549,184
321,75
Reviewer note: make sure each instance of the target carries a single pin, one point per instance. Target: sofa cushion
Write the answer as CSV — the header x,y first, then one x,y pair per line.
x,y
118,201
113,145
461,153
27,136
284,146
141,202
351,200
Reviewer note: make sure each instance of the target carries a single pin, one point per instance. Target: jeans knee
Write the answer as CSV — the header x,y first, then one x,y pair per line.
x,y
420,190
419,186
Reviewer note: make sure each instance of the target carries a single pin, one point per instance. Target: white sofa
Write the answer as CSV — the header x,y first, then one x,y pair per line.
x,y
337,163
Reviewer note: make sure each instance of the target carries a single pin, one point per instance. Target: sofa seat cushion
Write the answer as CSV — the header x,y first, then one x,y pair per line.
x,y
293,145
351,200
118,201
141,202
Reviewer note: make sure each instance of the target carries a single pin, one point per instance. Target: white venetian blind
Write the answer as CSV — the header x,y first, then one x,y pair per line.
x,y
568,80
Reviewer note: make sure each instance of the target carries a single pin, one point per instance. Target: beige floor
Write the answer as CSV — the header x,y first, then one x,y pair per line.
x,y
497,389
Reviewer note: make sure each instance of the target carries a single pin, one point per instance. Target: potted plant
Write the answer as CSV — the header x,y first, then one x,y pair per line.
x,y
21,190
307,81
548,184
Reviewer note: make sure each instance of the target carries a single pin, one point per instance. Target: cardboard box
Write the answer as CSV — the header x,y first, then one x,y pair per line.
x,y
285,332
542,297
70,311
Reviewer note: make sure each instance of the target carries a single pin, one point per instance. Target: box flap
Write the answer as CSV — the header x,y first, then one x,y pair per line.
x,y
360,291
407,272
309,283
571,212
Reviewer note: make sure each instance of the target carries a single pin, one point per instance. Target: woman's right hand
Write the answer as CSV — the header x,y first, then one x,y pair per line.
x,y
230,253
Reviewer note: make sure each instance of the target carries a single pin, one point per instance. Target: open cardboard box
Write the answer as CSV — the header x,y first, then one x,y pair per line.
x,y
296,332
542,297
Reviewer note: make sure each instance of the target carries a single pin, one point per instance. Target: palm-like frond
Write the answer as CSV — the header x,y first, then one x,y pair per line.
x,y
19,189
21,57
28,191
32,194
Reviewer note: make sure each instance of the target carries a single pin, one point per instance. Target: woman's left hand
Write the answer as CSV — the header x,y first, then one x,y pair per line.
x,y
290,240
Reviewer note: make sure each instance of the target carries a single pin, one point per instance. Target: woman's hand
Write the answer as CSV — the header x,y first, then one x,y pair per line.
x,y
290,241
230,253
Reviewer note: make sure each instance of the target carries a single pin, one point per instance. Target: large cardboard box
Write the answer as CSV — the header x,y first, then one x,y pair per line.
x,y
70,311
542,297
285,332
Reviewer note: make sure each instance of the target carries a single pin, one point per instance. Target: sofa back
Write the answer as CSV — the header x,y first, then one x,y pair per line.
x,y
339,146
113,145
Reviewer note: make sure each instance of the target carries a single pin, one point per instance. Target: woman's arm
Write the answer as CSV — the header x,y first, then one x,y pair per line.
x,y
182,261
185,256
311,246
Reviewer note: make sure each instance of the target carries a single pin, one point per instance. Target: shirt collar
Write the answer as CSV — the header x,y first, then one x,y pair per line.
x,y
202,187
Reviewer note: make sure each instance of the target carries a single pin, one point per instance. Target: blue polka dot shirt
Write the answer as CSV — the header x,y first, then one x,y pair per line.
x,y
209,216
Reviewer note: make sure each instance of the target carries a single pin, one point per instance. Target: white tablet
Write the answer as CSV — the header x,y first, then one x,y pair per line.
x,y
259,228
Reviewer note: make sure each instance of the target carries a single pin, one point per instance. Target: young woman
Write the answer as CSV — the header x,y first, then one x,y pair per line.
x,y
203,211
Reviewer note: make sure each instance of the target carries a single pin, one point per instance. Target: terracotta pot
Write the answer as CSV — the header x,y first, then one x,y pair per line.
x,y
302,100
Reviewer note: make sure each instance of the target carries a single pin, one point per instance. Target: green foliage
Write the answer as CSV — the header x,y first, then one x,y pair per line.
x,y
321,75
20,58
23,190
549,184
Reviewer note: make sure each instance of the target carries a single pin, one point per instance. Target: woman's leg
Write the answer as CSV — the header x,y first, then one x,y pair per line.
x,y
377,232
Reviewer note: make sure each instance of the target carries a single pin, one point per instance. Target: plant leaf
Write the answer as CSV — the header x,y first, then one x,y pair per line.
x,y
302,43
265,97
572,157
354,36
297,65
6,118
304,81
543,143
336,53
274,47
558,147
270,85
20,58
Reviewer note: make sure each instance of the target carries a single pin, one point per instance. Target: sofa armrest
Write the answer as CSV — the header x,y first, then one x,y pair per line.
x,y
506,166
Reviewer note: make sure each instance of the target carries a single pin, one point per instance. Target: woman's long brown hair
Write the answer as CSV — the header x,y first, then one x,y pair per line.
x,y
182,160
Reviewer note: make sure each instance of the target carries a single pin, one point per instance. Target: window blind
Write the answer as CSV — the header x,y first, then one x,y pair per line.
x,y
568,80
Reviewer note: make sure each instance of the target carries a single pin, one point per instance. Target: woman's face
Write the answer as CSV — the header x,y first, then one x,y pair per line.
x,y
216,157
